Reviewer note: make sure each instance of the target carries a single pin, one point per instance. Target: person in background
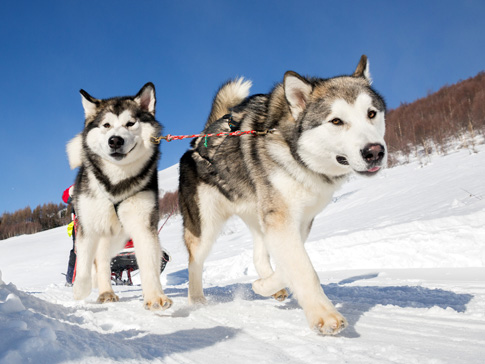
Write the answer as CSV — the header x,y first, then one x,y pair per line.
x,y
71,231
125,261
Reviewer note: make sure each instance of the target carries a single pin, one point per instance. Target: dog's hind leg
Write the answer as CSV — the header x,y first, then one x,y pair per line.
x,y
85,252
197,256
199,248
210,220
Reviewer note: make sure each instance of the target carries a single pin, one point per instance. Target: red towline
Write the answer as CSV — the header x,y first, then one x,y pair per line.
x,y
170,137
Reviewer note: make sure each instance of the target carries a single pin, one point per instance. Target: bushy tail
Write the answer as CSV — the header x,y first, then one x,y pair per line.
x,y
230,94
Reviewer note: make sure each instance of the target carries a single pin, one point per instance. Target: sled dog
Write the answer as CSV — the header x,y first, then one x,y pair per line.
x,y
312,134
116,193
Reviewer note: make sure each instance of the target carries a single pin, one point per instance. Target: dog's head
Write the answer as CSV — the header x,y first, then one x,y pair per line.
x,y
340,121
119,129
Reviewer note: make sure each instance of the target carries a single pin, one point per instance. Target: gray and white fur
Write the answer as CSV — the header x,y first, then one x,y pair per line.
x,y
116,193
277,183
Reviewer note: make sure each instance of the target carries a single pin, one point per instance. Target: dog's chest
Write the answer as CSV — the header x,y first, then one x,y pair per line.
x,y
98,215
312,195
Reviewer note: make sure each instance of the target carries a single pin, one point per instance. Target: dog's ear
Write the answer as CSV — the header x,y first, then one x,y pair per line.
x,y
90,104
297,92
146,98
362,69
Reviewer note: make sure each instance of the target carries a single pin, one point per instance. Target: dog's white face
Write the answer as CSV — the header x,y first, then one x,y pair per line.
x,y
119,130
350,137
119,138
340,123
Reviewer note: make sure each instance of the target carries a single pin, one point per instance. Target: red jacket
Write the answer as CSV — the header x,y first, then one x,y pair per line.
x,y
66,195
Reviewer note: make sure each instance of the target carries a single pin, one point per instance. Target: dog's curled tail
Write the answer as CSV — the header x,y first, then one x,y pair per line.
x,y
230,94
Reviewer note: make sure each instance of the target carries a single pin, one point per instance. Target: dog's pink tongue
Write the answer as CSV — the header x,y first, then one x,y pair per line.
x,y
374,169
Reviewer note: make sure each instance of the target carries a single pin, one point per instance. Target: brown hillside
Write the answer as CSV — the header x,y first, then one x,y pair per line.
x,y
454,113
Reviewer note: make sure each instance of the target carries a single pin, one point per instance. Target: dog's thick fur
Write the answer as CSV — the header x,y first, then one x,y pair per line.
x,y
116,193
277,183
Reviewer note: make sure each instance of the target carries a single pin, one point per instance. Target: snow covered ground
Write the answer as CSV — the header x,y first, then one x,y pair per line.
x,y
402,255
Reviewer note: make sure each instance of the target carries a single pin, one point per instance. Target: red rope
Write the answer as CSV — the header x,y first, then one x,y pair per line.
x,y
169,137
175,205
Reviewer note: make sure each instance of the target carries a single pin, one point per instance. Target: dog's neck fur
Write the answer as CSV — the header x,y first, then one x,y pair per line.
x,y
121,182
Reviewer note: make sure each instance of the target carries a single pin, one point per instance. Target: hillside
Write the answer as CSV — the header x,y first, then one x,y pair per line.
x,y
437,123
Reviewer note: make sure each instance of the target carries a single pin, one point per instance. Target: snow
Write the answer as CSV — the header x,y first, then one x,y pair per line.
x,y
168,179
402,255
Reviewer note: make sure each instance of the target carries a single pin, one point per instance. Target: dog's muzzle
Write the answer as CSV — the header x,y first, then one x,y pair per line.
x,y
116,142
116,145
372,154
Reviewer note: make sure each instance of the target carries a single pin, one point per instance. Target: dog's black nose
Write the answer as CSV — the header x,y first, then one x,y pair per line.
x,y
115,142
373,153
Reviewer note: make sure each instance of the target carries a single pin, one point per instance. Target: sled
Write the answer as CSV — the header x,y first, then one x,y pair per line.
x,y
124,264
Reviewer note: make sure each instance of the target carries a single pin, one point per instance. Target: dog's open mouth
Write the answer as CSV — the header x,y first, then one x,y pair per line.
x,y
370,171
119,156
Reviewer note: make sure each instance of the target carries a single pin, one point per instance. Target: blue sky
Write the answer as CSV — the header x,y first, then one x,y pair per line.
x,y
51,49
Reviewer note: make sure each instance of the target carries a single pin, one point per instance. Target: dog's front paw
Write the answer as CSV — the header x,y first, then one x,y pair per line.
x,y
81,288
107,297
281,295
327,322
160,302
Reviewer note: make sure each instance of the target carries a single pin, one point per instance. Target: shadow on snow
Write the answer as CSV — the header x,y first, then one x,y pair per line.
x,y
354,301
53,333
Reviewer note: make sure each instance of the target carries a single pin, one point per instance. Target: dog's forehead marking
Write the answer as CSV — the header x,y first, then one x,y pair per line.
x,y
125,116
363,101
344,109
348,89
116,120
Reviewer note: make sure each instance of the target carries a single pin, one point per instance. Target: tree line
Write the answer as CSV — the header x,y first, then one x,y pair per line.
x,y
454,115
168,204
49,216
28,221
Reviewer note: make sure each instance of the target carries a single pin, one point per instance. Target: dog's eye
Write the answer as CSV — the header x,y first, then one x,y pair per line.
x,y
130,123
106,125
371,114
337,121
